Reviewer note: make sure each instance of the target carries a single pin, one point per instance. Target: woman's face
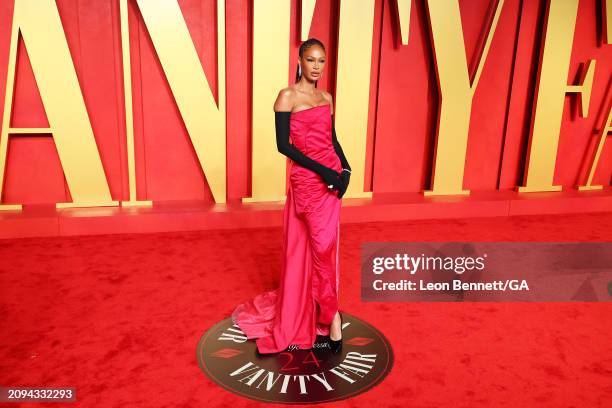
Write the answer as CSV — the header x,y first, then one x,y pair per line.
x,y
313,62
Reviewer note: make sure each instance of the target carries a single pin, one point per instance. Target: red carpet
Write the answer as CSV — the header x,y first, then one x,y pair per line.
x,y
119,317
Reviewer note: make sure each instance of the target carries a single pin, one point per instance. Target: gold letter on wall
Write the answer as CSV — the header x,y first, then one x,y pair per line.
x,y
205,122
456,94
607,128
550,99
40,25
271,20
355,32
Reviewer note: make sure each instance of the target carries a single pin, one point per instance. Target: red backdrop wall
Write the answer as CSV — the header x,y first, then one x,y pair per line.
x,y
403,99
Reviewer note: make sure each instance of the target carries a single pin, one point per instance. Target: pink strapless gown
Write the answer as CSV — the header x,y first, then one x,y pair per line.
x,y
306,301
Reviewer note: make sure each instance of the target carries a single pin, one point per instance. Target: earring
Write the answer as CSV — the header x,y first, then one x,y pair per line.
x,y
299,70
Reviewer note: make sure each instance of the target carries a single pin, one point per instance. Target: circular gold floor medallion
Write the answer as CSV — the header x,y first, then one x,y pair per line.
x,y
296,376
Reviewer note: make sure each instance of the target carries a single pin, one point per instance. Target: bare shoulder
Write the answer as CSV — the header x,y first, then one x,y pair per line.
x,y
329,100
284,100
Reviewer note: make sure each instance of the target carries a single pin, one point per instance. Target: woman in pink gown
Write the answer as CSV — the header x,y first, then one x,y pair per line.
x,y
306,302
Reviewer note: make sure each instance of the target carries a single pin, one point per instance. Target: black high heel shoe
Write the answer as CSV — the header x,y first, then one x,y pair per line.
x,y
336,345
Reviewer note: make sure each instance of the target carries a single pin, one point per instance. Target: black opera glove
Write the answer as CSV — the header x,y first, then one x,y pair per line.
x,y
338,149
282,122
345,176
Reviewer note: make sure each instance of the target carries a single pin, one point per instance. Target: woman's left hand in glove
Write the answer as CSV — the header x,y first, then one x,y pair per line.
x,y
345,176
